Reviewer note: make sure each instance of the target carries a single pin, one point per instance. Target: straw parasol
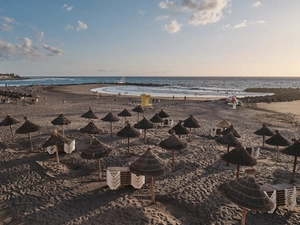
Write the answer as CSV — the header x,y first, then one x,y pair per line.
x,y
246,193
231,129
264,131
139,110
151,165
89,115
110,118
156,119
128,131
293,150
162,114
240,157
91,129
230,140
191,122
223,124
8,121
144,124
56,139
125,113
173,143
277,140
61,120
179,129
27,128
97,150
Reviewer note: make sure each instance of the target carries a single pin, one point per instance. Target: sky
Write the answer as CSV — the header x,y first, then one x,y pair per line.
x,y
150,37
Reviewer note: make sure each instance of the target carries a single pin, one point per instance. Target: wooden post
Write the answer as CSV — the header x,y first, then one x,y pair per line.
x,y
277,153
243,222
111,130
237,171
227,152
57,159
63,132
145,136
31,148
128,147
12,134
263,140
99,167
173,163
91,139
295,163
152,190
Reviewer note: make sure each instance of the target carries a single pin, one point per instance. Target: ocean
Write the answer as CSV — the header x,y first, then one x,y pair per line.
x,y
171,86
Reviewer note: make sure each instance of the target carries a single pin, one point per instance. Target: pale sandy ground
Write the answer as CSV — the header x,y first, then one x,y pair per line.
x,y
35,190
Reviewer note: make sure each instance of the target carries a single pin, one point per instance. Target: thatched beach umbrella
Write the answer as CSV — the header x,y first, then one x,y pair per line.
x,y
97,150
293,150
156,119
128,131
61,120
264,131
277,140
162,114
27,128
125,113
56,139
139,110
151,165
179,129
223,124
89,115
144,124
91,129
191,122
240,157
246,193
231,129
111,118
173,143
8,121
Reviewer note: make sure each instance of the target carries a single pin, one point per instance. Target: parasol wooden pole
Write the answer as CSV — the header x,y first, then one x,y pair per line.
x,y
295,162
152,190
57,159
173,163
277,153
63,132
138,116
12,134
99,167
91,139
128,147
237,171
227,152
263,140
145,136
111,130
243,222
31,148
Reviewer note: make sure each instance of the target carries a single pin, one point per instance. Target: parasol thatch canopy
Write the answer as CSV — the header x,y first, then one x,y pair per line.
x,y
277,140
125,113
8,121
293,150
264,131
110,117
56,139
27,128
128,131
91,128
179,129
163,114
61,120
151,165
173,143
231,129
89,114
223,124
246,193
97,150
191,122
156,119
240,157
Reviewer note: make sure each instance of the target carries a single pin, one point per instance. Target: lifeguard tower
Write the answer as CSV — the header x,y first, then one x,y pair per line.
x,y
145,100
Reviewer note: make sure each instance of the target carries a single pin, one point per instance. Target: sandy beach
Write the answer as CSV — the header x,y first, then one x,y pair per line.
x,y
37,190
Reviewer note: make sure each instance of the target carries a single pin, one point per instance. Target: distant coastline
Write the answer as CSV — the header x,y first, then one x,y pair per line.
x,y
11,76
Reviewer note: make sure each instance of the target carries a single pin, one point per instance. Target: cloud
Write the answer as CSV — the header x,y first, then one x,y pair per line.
x,y
27,49
68,8
260,22
240,25
81,26
5,27
172,28
7,19
69,27
104,70
162,17
226,27
256,4
141,12
201,13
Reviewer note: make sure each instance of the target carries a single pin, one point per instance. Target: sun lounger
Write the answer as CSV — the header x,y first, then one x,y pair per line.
x,y
254,152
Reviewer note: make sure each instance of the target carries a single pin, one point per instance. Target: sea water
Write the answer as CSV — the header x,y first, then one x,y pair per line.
x,y
166,86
